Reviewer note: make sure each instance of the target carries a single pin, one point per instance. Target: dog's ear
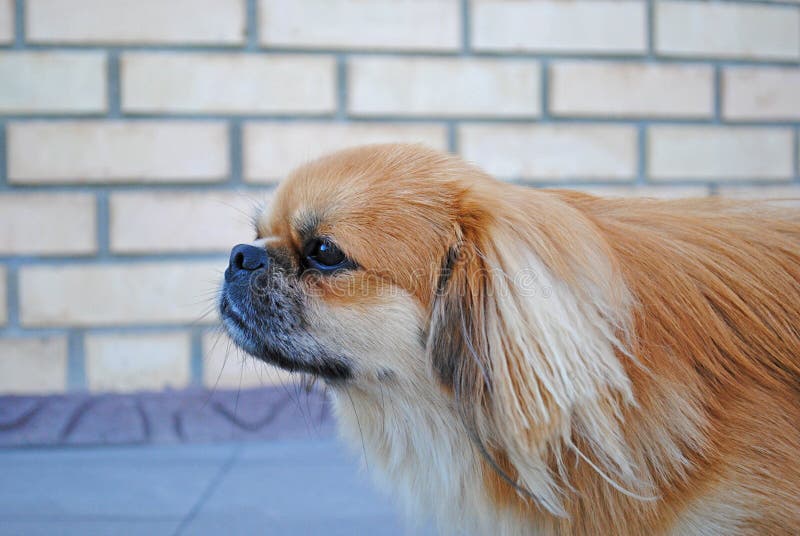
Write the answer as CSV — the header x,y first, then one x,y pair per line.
x,y
529,342
455,328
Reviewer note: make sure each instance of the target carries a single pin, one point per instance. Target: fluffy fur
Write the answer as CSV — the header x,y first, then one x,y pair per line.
x,y
517,360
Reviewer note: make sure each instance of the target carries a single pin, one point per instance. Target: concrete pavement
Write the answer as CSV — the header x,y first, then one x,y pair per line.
x,y
304,487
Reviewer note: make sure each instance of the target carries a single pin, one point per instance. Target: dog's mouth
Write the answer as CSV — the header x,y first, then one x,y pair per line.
x,y
276,338
240,332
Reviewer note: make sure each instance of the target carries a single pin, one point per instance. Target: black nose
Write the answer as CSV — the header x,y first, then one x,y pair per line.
x,y
245,258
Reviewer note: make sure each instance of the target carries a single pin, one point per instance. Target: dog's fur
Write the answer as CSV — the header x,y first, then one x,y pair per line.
x,y
521,361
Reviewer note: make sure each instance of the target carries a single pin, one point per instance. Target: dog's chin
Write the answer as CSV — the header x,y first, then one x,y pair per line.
x,y
279,349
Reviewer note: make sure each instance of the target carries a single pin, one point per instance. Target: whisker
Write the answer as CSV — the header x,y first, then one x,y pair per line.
x,y
360,431
292,391
203,316
219,375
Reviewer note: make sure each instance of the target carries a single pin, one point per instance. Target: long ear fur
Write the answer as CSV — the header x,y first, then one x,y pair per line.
x,y
531,341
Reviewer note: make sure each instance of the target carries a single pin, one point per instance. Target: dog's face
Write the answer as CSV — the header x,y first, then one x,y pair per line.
x,y
342,276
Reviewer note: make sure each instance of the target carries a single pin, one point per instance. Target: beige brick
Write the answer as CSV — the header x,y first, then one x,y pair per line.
x,y
137,362
719,153
271,150
115,151
443,87
631,90
778,195
658,192
3,296
761,93
727,30
225,366
227,83
377,24
33,366
552,152
6,21
596,26
141,293
143,21
52,82
47,224
195,222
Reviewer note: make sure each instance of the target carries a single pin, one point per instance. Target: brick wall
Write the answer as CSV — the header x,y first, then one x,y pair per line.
x,y
121,122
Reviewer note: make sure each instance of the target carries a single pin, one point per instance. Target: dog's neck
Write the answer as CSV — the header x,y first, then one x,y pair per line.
x,y
414,444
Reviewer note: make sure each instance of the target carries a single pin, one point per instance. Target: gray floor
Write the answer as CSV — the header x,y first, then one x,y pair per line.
x,y
278,487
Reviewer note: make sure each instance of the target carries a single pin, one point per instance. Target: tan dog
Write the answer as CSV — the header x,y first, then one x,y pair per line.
x,y
522,361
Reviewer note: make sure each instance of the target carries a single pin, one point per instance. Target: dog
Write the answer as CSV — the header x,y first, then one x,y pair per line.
x,y
524,361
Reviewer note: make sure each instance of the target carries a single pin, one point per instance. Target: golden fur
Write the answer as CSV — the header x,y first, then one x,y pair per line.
x,y
531,360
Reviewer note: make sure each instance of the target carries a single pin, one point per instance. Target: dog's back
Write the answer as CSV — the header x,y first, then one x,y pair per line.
x,y
716,286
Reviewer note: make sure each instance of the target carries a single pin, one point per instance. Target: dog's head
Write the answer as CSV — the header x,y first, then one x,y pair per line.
x,y
342,278
394,263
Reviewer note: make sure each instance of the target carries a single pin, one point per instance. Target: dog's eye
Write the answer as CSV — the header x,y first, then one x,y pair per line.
x,y
323,255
